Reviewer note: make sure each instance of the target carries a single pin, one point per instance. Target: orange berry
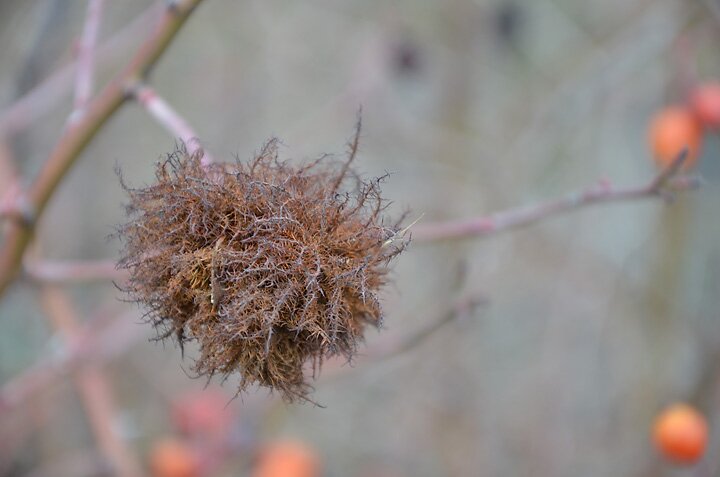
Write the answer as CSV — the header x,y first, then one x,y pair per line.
x,y
173,458
681,433
705,102
288,459
671,130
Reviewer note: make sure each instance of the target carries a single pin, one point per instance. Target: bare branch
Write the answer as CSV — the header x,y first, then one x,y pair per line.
x,y
54,271
85,73
77,137
95,390
662,186
461,307
93,343
164,114
48,94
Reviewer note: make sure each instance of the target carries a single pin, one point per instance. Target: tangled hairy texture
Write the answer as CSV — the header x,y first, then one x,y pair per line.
x,y
269,267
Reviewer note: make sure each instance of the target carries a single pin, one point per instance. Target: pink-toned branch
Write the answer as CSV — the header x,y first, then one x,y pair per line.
x,y
95,389
76,138
9,182
94,343
85,74
663,185
164,114
64,271
15,206
48,94
461,307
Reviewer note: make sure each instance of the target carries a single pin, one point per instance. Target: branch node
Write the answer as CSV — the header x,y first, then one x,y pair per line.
x,y
669,172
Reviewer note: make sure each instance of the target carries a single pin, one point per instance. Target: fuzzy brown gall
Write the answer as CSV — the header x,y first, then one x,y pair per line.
x,y
270,267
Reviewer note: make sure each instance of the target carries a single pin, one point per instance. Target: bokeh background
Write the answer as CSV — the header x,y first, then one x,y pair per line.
x,y
594,320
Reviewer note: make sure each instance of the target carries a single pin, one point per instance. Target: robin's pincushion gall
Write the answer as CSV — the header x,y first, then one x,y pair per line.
x,y
270,267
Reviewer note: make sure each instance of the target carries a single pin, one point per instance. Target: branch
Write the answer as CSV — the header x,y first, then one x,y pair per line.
x,y
56,271
662,186
94,343
15,206
86,60
164,114
461,307
38,101
94,388
77,137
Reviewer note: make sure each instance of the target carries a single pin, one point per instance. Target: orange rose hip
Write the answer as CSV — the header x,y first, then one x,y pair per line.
x,y
680,433
705,103
171,457
671,130
288,459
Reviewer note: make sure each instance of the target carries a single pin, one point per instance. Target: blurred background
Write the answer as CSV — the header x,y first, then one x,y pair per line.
x,y
594,321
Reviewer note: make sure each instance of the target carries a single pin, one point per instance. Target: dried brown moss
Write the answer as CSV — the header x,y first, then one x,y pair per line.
x,y
271,268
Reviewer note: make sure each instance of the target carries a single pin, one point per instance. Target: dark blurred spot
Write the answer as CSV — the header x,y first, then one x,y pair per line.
x,y
407,58
509,19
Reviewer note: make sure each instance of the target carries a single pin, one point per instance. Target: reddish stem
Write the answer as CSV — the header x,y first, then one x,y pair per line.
x,y
95,390
55,271
164,114
78,136
84,75
48,94
661,186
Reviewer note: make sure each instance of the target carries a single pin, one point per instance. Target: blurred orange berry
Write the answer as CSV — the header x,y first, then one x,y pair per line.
x,y
705,102
671,130
681,433
173,458
287,459
203,412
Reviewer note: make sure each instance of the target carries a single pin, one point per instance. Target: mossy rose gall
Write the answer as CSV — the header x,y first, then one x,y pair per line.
x,y
270,267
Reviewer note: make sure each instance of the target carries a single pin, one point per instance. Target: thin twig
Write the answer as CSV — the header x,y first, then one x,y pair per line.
x,y
64,271
461,307
93,343
41,99
95,390
164,114
84,76
353,150
658,183
662,186
76,138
